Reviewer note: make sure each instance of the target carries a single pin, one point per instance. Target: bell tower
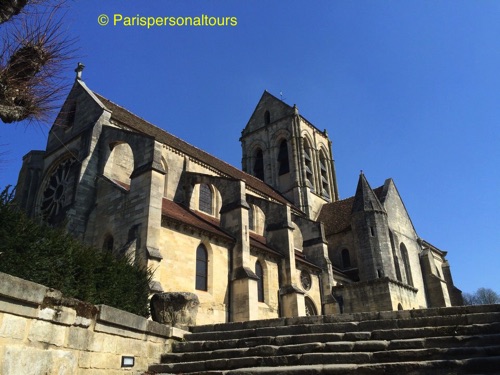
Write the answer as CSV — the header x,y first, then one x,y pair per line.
x,y
286,151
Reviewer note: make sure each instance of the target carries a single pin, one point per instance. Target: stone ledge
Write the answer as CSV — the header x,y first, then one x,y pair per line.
x,y
19,289
121,318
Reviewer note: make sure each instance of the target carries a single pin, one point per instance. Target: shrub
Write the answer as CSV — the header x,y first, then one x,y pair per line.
x,y
52,257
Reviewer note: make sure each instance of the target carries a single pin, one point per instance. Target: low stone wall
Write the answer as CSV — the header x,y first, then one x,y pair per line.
x,y
41,332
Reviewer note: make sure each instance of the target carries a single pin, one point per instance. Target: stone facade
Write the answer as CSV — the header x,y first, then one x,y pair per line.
x,y
270,241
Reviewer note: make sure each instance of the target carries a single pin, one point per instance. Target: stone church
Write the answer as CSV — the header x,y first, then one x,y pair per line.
x,y
270,240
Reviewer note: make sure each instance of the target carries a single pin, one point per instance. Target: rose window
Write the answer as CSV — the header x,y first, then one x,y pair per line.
x,y
59,192
305,280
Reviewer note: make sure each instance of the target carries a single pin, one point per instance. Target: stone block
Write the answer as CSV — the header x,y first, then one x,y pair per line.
x,y
29,311
121,318
109,343
84,359
105,361
63,362
125,346
13,327
60,314
177,309
79,338
96,341
104,328
82,322
48,333
22,290
26,361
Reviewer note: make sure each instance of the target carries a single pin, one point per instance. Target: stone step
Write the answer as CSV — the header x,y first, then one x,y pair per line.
x,y
388,335
457,340
355,317
363,362
367,325
339,346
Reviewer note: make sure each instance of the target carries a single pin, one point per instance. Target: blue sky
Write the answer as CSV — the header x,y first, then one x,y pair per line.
x,y
406,89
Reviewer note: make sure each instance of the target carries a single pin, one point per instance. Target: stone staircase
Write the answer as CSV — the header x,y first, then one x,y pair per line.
x,y
453,340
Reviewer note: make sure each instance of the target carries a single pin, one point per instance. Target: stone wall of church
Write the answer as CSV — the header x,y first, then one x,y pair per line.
x,y
339,242
176,272
404,236
269,308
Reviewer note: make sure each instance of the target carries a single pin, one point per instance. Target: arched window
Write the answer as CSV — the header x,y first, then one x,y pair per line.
x,y
201,268
346,259
400,307
267,117
206,198
284,165
406,263
108,243
325,186
260,282
120,164
308,165
310,308
258,167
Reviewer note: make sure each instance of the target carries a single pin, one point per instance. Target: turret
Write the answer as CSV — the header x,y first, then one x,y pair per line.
x,y
371,234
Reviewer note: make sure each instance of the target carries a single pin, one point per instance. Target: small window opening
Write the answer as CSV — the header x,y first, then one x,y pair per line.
x,y
346,259
108,243
260,282
284,166
258,167
267,117
251,223
205,203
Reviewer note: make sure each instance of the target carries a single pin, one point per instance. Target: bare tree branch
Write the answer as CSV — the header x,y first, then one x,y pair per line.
x,y
33,54
11,8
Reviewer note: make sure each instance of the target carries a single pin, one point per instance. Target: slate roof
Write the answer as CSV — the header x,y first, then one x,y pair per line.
x,y
140,125
337,215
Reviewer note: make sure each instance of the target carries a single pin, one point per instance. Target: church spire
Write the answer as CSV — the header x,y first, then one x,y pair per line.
x,y
365,198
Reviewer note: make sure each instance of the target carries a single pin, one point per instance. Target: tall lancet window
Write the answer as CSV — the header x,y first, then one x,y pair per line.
x,y
260,282
201,268
284,165
308,165
258,167
325,186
